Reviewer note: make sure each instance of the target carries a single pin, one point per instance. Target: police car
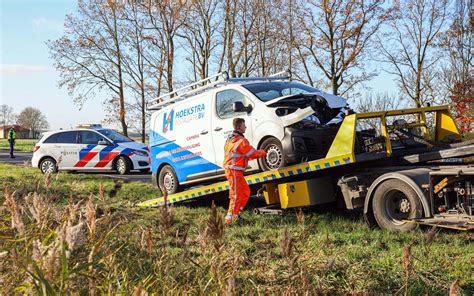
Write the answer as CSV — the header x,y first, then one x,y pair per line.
x,y
89,147
291,121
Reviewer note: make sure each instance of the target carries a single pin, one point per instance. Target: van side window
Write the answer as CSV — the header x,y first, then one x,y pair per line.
x,y
225,102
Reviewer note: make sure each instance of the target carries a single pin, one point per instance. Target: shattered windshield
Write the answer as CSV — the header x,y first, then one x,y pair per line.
x,y
267,91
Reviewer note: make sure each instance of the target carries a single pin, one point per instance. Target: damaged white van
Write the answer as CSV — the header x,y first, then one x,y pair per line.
x,y
292,121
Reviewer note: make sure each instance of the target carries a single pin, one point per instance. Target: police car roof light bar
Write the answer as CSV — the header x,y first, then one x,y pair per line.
x,y
162,101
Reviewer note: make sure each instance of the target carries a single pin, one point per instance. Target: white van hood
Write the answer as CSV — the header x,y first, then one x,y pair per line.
x,y
296,116
334,102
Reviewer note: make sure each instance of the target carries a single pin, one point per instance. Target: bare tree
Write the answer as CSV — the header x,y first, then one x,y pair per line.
x,y
89,55
336,34
32,119
238,49
166,18
6,115
199,32
137,60
409,46
457,43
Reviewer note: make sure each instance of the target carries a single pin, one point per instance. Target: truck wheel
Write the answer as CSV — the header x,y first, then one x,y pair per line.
x,y
275,158
168,180
48,166
393,202
123,165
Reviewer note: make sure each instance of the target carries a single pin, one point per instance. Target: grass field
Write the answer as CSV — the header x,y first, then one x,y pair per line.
x,y
20,144
74,233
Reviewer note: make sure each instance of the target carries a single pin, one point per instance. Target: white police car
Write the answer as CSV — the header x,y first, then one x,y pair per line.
x,y
93,148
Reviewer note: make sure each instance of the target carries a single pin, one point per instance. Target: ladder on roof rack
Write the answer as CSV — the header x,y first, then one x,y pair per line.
x,y
171,97
193,88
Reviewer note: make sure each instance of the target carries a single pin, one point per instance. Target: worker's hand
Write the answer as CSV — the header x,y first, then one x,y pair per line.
x,y
262,153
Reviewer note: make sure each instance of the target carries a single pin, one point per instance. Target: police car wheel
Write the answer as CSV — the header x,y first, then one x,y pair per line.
x,y
48,166
168,180
275,158
122,165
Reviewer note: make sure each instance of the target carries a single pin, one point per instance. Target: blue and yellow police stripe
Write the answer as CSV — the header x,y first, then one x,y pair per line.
x,y
262,177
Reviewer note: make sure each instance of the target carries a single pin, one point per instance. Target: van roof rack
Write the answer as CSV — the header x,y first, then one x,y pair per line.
x,y
201,85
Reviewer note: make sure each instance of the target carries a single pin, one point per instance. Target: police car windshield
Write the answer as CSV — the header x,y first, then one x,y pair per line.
x,y
267,91
114,136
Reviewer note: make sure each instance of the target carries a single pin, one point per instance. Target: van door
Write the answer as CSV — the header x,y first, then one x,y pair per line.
x,y
222,122
192,153
66,149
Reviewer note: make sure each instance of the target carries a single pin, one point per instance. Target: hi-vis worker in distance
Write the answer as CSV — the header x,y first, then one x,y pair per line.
x,y
238,152
11,139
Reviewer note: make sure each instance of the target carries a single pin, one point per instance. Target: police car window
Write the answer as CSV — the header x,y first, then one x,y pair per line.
x,y
66,138
51,139
225,103
115,136
88,137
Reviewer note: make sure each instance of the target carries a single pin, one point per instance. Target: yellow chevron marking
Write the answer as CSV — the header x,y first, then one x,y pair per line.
x,y
205,190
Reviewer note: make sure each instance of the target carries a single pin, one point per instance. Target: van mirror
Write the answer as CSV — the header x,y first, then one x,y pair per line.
x,y
102,142
239,107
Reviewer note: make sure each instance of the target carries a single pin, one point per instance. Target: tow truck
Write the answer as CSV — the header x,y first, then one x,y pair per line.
x,y
409,168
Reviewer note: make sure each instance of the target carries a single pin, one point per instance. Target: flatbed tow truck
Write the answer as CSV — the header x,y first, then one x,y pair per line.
x,y
401,173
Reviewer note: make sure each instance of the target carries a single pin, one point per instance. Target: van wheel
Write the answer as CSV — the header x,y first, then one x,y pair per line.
x,y
395,201
123,165
48,166
275,158
168,180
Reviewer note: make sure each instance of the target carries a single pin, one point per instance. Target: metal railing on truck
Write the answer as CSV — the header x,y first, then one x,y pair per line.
x,y
342,151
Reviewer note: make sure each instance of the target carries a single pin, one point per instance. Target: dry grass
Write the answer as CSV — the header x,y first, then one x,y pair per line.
x,y
68,236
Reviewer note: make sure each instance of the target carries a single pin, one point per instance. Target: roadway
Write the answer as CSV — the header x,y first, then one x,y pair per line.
x,y
24,159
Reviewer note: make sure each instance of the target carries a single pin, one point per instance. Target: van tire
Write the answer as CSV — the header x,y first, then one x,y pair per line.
x,y
168,180
393,202
123,165
275,158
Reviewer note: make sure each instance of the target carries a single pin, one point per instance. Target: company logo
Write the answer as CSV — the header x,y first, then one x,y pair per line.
x,y
168,121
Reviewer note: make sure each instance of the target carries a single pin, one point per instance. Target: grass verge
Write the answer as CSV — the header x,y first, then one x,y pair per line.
x,y
77,233
20,144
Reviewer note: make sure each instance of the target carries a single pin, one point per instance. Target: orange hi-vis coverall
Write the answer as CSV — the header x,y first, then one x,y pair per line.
x,y
238,152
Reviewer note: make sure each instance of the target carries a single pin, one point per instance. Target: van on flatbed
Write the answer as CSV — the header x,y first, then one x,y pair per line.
x,y
291,121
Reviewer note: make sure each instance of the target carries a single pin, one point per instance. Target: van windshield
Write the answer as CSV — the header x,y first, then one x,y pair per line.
x,y
267,91
114,136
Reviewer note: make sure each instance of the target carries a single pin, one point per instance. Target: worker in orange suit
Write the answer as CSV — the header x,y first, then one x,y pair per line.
x,y
238,152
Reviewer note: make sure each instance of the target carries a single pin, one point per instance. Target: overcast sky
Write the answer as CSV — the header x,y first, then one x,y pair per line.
x,y
27,76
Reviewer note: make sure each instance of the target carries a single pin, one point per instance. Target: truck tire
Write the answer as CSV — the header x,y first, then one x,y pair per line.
x,y
393,202
168,180
275,158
